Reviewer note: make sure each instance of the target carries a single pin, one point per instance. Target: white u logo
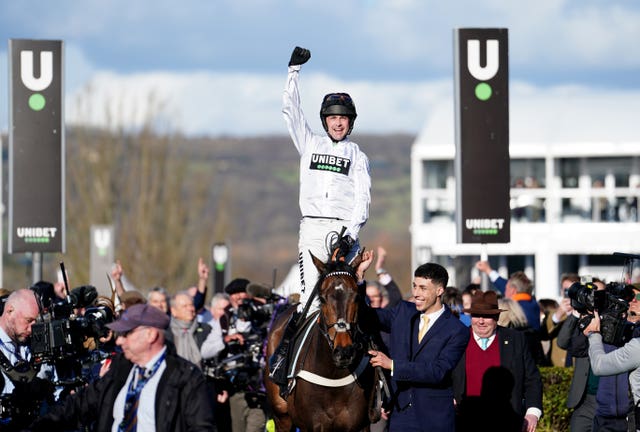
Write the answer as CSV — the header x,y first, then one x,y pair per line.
x,y
46,70
102,238
473,59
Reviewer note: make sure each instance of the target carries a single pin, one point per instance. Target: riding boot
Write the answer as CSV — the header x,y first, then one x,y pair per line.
x,y
278,362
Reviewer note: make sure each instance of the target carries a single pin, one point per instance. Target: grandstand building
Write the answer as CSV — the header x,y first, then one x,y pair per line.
x,y
575,184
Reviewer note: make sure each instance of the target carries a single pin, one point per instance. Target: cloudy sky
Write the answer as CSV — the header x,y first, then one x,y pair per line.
x,y
218,66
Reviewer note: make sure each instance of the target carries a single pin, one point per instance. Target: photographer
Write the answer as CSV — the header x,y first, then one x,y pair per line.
x,y
26,389
244,327
619,361
605,307
148,386
71,335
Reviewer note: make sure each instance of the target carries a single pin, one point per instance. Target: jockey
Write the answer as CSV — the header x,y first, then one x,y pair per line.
x,y
334,186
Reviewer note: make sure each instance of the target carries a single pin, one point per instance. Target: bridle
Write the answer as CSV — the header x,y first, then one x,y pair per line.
x,y
341,325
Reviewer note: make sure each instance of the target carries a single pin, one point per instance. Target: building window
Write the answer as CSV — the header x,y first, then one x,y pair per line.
x,y
435,173
527,173
619,168
569,170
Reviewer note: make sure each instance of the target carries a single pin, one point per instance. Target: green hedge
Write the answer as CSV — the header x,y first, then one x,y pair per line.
x,y
556,416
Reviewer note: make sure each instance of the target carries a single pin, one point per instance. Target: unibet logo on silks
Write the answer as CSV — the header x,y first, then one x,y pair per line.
x,y
484,226
36,234
45,78
483,73
324,162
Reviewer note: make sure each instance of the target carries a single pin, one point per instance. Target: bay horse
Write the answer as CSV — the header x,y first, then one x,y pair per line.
x,y
333,383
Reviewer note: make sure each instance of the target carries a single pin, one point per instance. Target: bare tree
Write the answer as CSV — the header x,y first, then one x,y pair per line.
x,y
145,185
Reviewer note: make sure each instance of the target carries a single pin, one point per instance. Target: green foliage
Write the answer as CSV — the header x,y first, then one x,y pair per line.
x,y
556,416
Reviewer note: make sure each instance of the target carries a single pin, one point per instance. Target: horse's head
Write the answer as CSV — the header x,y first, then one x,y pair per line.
x,y
338,292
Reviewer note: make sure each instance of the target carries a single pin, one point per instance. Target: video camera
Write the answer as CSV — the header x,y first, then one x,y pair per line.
x,y
612,305
257,313
241,365
59,332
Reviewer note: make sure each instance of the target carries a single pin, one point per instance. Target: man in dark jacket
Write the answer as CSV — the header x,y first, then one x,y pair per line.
x,y
147,386
496,367
426,343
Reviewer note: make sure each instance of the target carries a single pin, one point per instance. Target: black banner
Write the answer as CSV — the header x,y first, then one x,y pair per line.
x,y
36,147
482,135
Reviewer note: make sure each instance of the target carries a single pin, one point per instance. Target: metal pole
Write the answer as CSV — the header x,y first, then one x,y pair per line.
x,y
36,267
484,256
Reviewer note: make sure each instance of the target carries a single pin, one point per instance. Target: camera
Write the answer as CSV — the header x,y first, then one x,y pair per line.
x,y
240,366
256,313
612,305
59,333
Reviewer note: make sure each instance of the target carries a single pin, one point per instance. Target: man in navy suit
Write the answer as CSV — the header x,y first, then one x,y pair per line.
x,y
426,343
502,353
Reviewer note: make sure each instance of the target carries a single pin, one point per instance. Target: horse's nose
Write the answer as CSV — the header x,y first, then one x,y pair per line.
x,y
344,356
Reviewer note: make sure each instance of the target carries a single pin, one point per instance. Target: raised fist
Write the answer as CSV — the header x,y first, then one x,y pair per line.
x,y
299,56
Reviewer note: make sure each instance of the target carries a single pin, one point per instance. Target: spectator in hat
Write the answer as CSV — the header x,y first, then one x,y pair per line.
x,y
148,386
232,324
491,346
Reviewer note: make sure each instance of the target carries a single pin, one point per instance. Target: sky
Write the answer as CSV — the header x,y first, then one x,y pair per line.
x,y
218,67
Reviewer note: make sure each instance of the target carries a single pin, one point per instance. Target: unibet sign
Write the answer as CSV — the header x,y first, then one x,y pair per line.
x,y
36,147
482,135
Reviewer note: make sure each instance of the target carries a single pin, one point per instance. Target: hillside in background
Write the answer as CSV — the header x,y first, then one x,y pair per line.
x,y
251,204
256,191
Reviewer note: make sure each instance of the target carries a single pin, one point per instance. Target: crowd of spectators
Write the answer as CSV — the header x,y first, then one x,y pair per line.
x,y
224,342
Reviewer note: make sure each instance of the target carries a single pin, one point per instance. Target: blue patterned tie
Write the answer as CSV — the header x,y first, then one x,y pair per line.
x,y
130,420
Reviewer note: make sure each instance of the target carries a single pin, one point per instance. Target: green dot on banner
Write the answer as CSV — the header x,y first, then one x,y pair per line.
x,y
36,102
483,91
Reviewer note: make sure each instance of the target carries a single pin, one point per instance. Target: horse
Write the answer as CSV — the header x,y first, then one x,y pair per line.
x,y
333,386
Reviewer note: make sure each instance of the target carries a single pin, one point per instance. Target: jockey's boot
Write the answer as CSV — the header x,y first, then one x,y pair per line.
x,y
278,362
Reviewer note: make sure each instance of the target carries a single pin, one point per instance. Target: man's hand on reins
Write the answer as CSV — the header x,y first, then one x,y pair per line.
x,y
380,359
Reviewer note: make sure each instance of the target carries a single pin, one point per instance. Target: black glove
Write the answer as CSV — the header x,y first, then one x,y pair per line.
x,y
299,56
345,245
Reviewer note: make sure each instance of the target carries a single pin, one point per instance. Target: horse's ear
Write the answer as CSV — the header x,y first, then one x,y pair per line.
x,y
357,260
319,264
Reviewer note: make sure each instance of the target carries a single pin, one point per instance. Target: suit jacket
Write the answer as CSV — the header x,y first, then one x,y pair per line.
x,y
571,339
515,356
421,378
